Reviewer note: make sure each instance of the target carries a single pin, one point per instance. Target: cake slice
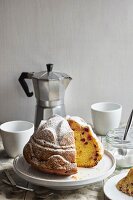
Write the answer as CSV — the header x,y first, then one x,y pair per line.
x,y
89,149
126,184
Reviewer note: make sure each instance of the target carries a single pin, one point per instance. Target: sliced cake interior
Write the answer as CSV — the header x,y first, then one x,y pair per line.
x,y
126,184
89,150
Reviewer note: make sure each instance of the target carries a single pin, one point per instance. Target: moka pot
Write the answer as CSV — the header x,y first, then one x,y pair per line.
x,y
49,88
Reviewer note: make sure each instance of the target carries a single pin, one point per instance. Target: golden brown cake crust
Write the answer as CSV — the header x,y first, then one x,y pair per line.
x,y
126,184
52,166
51,149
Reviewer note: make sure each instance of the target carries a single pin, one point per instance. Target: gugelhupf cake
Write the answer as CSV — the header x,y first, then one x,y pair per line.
x,y
51,148
60,145
126,184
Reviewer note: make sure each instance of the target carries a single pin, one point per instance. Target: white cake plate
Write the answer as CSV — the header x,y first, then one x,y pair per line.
x,y
84,176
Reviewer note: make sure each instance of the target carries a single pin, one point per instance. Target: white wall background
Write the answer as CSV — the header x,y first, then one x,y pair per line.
x,y
91,40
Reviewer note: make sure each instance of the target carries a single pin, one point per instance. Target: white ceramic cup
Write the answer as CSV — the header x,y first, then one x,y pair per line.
x,y
15,134
105,116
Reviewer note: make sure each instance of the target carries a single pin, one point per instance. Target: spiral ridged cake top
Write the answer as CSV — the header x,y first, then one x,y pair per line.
x,y
51,148
55,132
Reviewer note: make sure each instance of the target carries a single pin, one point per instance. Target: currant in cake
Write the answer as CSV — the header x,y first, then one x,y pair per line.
x,y
60,145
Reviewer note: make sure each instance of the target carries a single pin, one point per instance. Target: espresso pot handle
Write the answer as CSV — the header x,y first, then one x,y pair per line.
x,y
23,76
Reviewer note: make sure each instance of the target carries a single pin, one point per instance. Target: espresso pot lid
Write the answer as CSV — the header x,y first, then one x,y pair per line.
x,y
50,75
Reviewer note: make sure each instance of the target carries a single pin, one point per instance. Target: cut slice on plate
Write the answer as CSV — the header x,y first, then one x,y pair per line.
x,y
126,184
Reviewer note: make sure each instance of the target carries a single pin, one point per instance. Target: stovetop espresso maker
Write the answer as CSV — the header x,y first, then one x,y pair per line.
x,y
49,90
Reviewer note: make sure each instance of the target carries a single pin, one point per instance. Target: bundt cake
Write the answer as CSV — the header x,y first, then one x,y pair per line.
x,y
126,184
60,145
51,148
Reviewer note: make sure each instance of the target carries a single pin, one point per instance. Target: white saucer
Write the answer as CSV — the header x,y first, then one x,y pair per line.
x,y
84,176
112,192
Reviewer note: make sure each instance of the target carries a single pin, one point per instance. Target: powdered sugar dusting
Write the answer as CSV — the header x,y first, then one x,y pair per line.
x,y
56,129
56,122
63,128
77,119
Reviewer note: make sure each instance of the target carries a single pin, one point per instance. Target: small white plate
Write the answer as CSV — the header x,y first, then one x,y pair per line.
x,y
84,176
112,192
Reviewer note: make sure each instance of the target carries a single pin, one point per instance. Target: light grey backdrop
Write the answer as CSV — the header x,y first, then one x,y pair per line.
x,y
91,40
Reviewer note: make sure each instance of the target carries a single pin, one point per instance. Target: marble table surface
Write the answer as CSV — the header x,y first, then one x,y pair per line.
x,y
90,192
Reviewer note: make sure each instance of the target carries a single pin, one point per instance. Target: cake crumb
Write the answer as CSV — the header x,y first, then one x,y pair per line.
x,y
74,177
